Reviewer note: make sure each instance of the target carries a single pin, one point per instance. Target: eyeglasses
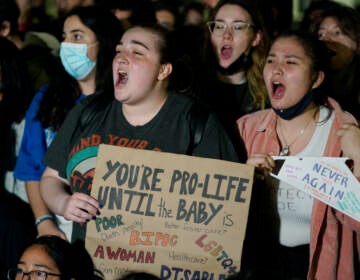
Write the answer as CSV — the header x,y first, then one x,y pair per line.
x,y
18,274
218,28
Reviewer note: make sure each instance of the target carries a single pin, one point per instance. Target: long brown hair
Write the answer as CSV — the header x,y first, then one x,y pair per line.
x,y
258,54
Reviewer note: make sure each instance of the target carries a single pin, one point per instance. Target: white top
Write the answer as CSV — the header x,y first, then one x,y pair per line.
x,y
13,185
295,206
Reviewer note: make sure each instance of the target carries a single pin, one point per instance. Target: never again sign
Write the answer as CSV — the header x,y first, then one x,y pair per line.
x,y
328,179
176,216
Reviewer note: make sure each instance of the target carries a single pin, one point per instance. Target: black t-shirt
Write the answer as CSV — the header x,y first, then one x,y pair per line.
x,y
229,102
73,151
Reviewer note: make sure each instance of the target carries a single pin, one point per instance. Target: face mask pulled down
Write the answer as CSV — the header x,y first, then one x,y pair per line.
x,y
297,109
75,61
243,62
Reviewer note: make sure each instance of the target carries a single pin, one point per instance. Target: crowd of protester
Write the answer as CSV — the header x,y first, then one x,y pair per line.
x,y
263,84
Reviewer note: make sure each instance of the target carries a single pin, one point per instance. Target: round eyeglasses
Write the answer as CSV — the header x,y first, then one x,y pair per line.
x,y
18,274
218,28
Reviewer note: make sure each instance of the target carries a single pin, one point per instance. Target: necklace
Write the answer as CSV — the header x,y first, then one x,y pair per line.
x,y
286,148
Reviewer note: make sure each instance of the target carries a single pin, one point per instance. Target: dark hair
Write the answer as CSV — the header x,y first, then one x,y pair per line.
x,y
310,19
142,11
169,53
72,260
15,84
234,276
167,43
9,11
258,54
169,6
58,250
139,276
348,19
196,6
63,90
247,5
16,93
108,30
319,56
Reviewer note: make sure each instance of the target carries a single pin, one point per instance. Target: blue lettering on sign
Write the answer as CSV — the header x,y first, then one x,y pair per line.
x,y
177,273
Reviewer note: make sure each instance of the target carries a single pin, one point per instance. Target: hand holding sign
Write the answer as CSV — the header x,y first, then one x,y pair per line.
x,y
326,178
176,216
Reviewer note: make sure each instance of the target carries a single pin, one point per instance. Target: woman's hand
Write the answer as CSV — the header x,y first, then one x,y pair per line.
x,y
263,165
77,207
81,208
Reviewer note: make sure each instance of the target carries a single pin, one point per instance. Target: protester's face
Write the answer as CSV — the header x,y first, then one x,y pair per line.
x,y
166,18
64,6
24,5
122,14
74,31
136,66
210,3
193,17
229,46
336,40
287,73
36,258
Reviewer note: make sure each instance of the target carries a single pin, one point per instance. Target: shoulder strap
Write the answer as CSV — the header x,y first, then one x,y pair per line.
x,y
198,118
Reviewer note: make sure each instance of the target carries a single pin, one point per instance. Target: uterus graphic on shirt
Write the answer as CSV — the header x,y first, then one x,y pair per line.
x,y
81,164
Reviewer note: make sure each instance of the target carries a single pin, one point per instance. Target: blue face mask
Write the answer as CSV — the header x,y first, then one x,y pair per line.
x,y
74,58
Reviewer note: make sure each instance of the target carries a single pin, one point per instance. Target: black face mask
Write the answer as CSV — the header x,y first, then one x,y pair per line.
x,y
242,63
297,109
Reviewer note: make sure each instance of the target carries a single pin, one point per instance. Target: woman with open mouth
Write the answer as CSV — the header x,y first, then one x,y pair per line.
x,y
231,81
287,226
143,111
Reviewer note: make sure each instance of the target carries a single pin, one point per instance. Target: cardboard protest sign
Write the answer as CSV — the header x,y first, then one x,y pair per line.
x,y
328,179
176,216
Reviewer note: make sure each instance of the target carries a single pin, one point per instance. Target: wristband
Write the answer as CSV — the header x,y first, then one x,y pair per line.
x,y
43,218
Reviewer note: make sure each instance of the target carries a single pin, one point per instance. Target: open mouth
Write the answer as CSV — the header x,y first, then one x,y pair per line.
x,y
277,89
121,79
226,52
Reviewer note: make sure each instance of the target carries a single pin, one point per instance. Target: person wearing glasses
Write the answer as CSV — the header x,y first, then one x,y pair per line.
x,y
51,257
231,82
